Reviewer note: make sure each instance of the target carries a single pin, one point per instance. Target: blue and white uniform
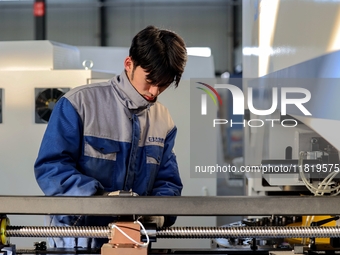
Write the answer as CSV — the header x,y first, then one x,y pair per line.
x,y
106,137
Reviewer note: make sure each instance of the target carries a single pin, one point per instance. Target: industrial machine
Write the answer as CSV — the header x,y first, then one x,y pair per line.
x,y
291,148
296,150
291,154
269,234
33,76
281,54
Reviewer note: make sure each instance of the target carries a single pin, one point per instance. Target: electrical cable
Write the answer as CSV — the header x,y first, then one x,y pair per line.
x,y
128,237
319,191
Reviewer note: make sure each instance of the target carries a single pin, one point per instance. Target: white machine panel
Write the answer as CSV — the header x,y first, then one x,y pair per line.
x,y
112,59
37,55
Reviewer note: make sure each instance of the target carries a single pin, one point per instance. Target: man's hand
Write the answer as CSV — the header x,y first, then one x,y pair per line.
x,y
158,220
121,193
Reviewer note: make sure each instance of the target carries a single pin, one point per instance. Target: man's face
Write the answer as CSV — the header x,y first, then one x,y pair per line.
x,y
139,81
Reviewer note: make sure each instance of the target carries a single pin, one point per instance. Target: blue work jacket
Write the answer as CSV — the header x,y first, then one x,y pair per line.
x,y
105,137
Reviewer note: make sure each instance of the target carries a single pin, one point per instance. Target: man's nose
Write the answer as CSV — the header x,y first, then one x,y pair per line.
x,y
154,90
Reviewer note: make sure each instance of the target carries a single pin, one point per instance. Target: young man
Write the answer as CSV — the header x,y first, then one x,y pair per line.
x,y
114,135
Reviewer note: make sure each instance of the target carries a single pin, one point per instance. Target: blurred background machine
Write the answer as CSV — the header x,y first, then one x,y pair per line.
x,y
297,141
285,51
277,57
33,76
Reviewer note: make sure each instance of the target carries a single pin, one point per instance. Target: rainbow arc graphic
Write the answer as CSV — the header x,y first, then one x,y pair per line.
x,y
212,94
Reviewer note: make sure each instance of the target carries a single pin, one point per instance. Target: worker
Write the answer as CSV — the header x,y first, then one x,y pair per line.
x,y
115,135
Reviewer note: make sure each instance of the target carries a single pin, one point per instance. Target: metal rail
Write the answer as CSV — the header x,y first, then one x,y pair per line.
x,y
180,206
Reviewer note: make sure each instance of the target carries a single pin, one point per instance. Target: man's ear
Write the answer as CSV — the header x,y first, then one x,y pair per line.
x,y
128,64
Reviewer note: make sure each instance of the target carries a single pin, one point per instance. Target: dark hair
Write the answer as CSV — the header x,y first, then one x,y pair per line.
x,y
161,53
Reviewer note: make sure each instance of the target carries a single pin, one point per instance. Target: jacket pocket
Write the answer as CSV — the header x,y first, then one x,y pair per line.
x,y
101,148
154,154
153,161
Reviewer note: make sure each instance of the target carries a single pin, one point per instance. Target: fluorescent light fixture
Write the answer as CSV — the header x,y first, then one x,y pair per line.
x,y
267,26
199,51
268,51
335,35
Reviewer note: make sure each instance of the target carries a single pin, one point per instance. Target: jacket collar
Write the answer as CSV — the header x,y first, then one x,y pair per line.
x,y
128,95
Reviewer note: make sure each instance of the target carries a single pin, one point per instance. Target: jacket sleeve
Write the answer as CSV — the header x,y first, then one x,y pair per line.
x,y
168,181
56,165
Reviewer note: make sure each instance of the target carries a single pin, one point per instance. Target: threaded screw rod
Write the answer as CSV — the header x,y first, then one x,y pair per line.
x,y
181,232
248,232
76,231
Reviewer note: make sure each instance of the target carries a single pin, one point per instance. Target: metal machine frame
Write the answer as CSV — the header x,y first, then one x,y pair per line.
x,y
180,206
186,206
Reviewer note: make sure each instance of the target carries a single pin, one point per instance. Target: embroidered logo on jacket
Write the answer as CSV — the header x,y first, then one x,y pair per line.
x,y
156,139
